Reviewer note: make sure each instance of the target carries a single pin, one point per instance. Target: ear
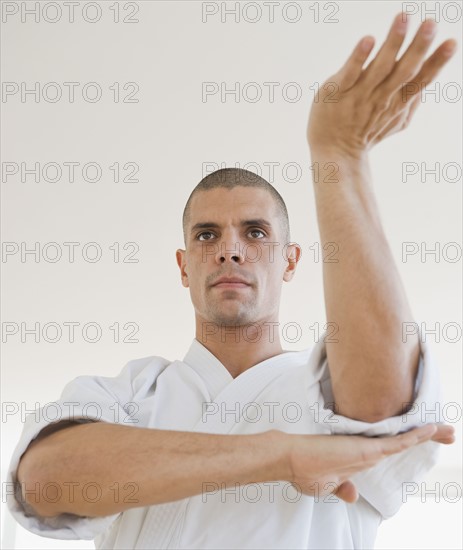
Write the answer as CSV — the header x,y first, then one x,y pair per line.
x,y
292,255
180,256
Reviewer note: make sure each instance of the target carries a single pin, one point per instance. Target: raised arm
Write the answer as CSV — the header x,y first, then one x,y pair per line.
x,y
135,467
372,369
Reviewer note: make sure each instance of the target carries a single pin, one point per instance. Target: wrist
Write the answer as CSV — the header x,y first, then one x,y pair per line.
x,y
338,154
279,445
335,169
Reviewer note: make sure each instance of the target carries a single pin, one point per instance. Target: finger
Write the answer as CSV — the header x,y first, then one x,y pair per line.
x,y
350,72
347,492
409,64
413,108
385,60
430,69
400,121
389,126
398,443
444,434
373,449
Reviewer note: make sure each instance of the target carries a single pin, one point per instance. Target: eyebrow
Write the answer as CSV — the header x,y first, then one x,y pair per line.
x,y
244,223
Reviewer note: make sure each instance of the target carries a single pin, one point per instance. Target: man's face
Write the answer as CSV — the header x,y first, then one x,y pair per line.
x,y
233,247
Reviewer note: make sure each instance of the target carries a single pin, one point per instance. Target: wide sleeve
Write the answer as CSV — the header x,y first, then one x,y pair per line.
x,y
84,399
383,485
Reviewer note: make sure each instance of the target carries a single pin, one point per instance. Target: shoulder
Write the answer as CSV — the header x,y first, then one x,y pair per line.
x,y
142,373
137,377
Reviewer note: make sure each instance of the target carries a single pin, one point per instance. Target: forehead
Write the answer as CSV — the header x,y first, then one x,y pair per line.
x,y
235,203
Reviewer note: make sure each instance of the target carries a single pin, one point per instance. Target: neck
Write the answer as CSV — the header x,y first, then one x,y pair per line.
x,y
240,347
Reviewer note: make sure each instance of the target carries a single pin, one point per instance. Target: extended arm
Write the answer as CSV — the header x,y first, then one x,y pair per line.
x,y
151,466
372,366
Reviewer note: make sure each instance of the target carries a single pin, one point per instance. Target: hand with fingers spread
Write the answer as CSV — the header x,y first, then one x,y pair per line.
x,y
322,464
356,108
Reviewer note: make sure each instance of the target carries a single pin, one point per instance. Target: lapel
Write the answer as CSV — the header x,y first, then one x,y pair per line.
x,y
163,525
232,392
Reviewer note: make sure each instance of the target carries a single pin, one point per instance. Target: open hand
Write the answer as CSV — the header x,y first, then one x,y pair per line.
x,y
356,108
322,464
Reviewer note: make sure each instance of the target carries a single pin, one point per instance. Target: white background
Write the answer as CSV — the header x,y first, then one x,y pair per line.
x,y
170,133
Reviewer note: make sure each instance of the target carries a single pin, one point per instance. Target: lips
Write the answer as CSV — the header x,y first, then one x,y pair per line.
x,y
231,285
231,281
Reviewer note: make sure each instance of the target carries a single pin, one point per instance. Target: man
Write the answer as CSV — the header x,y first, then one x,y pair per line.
x,y
241,444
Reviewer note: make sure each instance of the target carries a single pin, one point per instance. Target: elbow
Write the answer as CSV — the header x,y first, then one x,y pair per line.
x,y
362,415
379,397
374,416
375,410
37,496
35,500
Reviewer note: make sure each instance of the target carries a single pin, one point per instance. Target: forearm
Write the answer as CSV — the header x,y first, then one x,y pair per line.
x,y
154,466
372,368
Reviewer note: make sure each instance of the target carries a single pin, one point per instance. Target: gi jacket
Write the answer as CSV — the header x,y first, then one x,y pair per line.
x,y
289,392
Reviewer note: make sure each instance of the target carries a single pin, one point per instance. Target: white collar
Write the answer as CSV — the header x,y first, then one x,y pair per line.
x,y
216,376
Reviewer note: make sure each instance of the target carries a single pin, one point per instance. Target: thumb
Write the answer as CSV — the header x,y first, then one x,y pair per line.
x,y
347,492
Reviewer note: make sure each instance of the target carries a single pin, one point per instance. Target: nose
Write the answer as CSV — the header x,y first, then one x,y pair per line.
x,y
230,249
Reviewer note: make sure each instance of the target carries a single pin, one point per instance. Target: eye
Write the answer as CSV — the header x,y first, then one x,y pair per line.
x,y
210,233
257,231
204,233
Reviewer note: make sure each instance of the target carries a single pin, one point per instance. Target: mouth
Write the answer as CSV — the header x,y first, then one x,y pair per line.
x,y
231,285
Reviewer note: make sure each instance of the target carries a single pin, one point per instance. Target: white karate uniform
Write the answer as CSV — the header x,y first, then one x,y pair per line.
x,y
290,392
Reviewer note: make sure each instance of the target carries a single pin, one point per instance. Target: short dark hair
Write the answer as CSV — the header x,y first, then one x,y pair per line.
x,y
229,178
